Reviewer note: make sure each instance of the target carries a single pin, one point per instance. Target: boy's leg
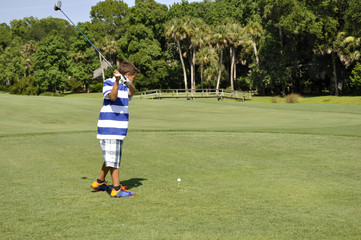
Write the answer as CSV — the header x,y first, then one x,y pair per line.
x,y
112,151
118,190
103,172
115,176
100,184
114,172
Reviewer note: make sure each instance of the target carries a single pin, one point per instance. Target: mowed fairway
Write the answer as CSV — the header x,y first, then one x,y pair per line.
x,y
248,170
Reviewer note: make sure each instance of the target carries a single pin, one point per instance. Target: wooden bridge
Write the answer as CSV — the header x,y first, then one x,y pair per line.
x,y
220,94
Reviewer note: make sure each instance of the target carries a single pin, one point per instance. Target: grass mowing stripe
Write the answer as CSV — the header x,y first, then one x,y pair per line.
x,y
242,131
44,133
183,130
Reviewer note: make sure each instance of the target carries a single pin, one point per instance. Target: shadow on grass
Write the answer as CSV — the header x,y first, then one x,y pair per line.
x,y
129,184
132,183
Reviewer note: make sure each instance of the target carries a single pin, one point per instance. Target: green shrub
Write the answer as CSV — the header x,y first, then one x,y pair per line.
x,y
96,88
24,86
356,78
243,83
75,84
50,94
4,88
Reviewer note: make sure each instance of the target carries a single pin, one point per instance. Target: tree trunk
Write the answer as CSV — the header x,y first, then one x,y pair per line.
x,y
192,63
101,65
255,50
202,70
219,71
281,37
183,66
231,53
335,82
281,40
235,67
194,69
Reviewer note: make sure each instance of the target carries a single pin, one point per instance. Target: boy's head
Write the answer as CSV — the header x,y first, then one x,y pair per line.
x,y
128,68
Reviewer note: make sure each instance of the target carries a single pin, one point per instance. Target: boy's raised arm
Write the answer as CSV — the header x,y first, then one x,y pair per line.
x,y
114,93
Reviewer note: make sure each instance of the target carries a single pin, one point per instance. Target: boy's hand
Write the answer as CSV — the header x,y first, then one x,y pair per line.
x,y
126,82
117,75
122,80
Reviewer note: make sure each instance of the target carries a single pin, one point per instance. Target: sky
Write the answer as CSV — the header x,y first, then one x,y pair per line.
x,y
76,10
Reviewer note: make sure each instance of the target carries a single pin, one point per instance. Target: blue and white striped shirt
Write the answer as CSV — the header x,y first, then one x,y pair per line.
x,y
114,115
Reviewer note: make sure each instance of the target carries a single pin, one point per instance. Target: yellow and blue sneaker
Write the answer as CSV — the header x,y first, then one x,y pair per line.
x,y
99,186
122,192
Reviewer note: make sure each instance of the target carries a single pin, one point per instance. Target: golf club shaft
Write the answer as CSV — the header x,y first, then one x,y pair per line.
x,y
88,40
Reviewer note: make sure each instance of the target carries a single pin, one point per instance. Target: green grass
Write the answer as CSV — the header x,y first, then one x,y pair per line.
x,y
85,95
354,100
249,170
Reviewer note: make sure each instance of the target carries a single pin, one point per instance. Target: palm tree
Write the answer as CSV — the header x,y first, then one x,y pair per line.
x,y
174,30
219,41
189,27
347,48
255,31
197,31
110,49
234,36
338,45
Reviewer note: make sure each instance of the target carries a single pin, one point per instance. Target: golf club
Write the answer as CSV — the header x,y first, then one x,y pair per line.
x,y
58,7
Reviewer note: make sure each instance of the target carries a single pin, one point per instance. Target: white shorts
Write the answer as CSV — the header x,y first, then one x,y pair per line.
x,y
112,152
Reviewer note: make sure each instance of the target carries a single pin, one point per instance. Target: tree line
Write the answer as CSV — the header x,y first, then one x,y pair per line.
x,y
275,47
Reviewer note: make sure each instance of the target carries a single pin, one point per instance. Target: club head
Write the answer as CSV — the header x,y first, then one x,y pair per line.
x,y
57,6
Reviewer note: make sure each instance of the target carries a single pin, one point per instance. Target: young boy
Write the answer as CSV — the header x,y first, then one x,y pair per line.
x,y
113,126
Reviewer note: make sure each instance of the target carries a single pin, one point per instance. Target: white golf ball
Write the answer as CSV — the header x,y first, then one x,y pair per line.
x,y
179,180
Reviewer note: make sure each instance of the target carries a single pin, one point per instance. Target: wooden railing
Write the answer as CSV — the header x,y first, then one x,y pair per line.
x,y
220,94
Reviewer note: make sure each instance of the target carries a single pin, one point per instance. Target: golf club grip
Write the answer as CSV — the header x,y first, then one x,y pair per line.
x,y
88,40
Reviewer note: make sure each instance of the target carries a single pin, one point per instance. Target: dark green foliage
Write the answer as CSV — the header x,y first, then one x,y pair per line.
x,y
12,65
83,58
25,86
51,64
30,28
146,53
108,18
352,17
142,41
151,14
75,84
282,47
5,36
97,87
356,79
